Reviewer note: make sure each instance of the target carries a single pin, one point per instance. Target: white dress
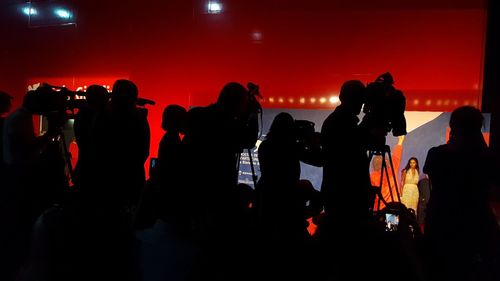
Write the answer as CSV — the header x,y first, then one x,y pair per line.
x,y
410,190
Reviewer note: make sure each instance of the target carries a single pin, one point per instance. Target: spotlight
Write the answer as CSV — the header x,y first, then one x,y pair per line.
x,y
214,7
334,99
62,13
30,11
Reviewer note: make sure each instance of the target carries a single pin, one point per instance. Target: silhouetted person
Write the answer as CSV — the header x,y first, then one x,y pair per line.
x,y
120,149
461,230
173,203
5,105
281,199
215,136
24,195
346,179
346,190
424,190
97,99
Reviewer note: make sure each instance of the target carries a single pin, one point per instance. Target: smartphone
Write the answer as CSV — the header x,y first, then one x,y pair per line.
x,y
391,222
152,163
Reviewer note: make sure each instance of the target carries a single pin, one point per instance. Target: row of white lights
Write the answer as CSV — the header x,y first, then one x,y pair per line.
x,y
335,100
61,13
302,100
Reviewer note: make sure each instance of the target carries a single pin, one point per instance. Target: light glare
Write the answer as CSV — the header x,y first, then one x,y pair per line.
x,y
214,7
334,99
29,11
64,14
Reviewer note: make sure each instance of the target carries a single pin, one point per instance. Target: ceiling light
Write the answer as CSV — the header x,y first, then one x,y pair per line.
x,y
214,7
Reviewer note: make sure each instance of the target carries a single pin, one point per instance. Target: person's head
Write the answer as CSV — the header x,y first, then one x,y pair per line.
x,y
282,126
234,100
5,102
412,164
32,101
97,96
124,94
352,95
174,119
466,121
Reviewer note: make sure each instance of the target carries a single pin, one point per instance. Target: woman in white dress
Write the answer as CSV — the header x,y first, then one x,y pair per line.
x,y
409,182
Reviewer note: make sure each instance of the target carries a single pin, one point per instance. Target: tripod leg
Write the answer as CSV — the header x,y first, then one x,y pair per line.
x,y
67,161
254,176
394,177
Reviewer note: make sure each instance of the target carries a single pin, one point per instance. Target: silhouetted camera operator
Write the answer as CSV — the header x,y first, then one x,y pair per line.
x,y
29,190
281,196
120,147
346,179
215,136
97,98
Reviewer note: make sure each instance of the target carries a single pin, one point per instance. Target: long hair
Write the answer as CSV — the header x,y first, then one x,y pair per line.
x,y
407,167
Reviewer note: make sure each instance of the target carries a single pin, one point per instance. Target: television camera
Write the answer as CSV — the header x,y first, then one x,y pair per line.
x,y
384,109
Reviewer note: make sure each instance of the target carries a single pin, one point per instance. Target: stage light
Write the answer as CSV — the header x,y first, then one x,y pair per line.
x,y
291,100
257,36
446,102
322,100
30,11
302,100
62,13
334,99
416,102
214,7
439,102
428,102
271,100
313,100
280,100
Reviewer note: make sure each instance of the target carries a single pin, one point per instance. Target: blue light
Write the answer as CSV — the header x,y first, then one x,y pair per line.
x,y
64,14
29,11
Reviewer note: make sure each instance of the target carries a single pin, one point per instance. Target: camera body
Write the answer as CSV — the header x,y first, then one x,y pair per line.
x,y
384,109
254,106
306,136
55,100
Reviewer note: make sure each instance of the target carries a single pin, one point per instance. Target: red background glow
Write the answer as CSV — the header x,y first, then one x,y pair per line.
x,y
177,53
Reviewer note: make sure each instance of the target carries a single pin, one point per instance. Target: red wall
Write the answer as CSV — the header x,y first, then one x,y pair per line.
x,y
176,53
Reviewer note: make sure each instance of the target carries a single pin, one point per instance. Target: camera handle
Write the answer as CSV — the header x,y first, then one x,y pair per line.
x,y
384,170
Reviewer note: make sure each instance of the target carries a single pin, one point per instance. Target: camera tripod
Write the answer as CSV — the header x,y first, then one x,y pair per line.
x,y
384,170
57,138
